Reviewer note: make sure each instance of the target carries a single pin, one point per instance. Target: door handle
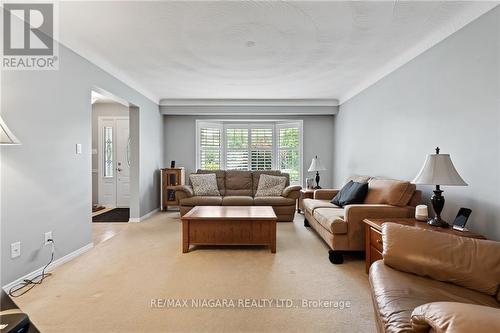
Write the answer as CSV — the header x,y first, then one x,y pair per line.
x,y
118,169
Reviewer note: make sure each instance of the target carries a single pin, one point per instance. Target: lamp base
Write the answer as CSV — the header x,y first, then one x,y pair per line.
x,y
317,187
437,222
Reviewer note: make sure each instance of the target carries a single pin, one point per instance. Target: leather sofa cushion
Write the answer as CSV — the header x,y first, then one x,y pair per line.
x,y
468,262
389,191
332,219
396,294
311,204
256,178
237,200
455,317
359,179
274,201
201,201
239,183
220,175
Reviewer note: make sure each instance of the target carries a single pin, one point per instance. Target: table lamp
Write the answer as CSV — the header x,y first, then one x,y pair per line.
x,y
316,166
438,170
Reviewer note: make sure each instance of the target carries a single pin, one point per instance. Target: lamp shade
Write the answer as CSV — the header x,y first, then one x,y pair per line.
x,y
316,165
438,169
6,136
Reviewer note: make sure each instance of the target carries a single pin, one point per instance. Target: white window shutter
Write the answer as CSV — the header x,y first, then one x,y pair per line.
x,y
209,142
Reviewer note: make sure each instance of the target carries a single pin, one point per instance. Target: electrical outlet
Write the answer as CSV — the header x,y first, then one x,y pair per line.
x,y
48,235
15,250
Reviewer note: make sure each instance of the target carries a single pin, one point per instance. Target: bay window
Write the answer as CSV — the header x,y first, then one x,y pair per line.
x,y
237,145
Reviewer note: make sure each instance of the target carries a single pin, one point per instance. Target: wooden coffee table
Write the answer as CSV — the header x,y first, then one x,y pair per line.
x,y
229,225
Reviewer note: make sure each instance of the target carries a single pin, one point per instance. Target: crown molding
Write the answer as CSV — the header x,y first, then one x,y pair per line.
x,y
247,110
248,102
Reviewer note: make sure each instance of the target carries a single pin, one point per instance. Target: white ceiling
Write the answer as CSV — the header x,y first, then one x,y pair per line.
x,y
257,50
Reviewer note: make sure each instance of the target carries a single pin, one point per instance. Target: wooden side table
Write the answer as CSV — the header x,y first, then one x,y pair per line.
x,y
373,235
170,177
304,194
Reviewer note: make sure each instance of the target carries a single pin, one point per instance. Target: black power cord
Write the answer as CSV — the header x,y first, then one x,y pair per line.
x,y
31,283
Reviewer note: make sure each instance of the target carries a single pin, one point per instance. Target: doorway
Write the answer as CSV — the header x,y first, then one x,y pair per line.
x,y
111,159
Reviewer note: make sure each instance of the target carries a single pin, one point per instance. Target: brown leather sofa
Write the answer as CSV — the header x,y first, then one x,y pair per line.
x,y
342,228
435,282
237,188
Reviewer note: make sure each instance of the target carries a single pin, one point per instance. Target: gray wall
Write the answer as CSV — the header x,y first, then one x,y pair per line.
x,y
180,141
447,97
102,110
45,186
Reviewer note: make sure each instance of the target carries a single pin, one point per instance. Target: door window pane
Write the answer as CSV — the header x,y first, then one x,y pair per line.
x,y
108,152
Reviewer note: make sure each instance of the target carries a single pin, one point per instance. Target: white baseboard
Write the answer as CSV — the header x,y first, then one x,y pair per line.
x,y
54,264
144,217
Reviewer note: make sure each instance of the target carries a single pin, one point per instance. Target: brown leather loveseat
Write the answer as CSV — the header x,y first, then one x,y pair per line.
x,y
342,228
238,188
435,282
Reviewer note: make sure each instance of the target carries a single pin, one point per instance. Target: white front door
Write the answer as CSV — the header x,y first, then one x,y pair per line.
x,y
113,159
122,163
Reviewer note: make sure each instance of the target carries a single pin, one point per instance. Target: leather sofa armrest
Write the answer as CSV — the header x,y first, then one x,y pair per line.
x,y
434,255
292,192
363,211
183,191
455,317
325,194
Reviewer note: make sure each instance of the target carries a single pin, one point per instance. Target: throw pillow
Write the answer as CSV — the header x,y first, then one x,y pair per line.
x,y
351,193
270,186
204,184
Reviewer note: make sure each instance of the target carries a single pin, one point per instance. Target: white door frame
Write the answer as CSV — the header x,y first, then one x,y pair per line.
x,y
100,160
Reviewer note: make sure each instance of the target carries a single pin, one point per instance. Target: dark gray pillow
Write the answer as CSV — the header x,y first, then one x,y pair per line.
x,y
352,193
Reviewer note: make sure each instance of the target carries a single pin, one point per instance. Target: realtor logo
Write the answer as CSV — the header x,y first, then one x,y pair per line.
x,y
28,36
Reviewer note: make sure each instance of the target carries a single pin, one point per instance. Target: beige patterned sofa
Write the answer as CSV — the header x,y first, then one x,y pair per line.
x,y
342,228
237,188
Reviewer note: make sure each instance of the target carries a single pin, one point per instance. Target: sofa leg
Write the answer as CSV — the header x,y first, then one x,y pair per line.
x,y
336,257
306,223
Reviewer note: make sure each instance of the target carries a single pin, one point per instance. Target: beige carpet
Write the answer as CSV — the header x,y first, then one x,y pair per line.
x,y
109,289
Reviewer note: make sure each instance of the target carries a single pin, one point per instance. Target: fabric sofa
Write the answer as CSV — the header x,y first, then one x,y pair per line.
x,y
238,188
342,228
435,282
